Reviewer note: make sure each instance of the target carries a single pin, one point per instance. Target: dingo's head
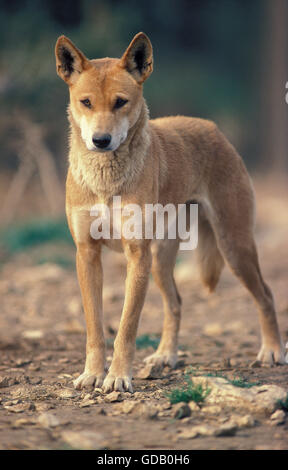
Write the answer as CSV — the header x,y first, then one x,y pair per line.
x,y
105,94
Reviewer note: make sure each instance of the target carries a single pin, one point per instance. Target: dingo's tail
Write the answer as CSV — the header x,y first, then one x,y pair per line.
x,y
209,258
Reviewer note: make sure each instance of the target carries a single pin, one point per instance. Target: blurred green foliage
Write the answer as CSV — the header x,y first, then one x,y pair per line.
x,y
145,341
206,60
188,392
20,237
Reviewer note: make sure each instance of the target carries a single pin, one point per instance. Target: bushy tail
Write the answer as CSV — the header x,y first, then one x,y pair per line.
x,y
209,258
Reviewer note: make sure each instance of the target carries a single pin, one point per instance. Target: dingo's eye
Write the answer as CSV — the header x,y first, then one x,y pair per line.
x,y
86,103
119,103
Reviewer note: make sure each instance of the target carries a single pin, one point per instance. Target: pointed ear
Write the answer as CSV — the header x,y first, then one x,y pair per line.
x,y
70,62
138,58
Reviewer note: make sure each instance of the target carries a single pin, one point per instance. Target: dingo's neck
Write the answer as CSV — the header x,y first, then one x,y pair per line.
x,y
110,173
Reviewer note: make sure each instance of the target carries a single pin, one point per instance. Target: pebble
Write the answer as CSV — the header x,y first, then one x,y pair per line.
x,y
150,371
278,417
4,382
67,393
138,408
48,420
113,397
18,423
227,429
83,440
181,410
20,407
86,403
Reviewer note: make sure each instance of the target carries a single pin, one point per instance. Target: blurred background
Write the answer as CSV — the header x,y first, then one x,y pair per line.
x,y
225,60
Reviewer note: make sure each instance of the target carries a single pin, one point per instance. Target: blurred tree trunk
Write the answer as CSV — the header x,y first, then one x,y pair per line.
x,y
274,133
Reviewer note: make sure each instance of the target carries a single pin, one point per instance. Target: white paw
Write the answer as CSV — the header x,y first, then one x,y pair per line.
x,y
272,355
119,384
162,359
87,380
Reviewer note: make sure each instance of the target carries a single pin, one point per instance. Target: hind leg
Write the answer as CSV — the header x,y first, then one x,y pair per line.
x,y
164,254
236,242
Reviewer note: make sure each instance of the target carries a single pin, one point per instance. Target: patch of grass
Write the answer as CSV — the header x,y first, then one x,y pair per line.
x,y
19,237
144,341
242,382
216,374
191,371
189,392
284,404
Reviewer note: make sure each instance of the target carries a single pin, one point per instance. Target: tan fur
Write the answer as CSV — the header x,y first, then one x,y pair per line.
x,y
167,160
209,258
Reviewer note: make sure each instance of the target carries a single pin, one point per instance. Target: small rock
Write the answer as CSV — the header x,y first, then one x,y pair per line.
x,y
188,434
12,402
138,408
261,399
67,393
193,406
246,421
19,408
181,410
113,397
150,371
83,440
128,406
195,431
86,403
48,420
4,382
43,406
23,422
278,417
227,429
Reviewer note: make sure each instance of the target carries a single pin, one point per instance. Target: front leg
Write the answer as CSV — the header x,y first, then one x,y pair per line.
x,y
90,276
138,256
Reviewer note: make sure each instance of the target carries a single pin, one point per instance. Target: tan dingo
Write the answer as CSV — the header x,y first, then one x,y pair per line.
x,y
116,150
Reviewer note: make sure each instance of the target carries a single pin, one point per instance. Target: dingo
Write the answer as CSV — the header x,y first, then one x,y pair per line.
x,y
116,150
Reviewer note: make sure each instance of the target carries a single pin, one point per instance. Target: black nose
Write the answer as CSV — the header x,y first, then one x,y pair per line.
x,y
101,141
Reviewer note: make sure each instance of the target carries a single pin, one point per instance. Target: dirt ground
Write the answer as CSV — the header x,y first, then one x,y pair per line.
x,y
42,343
